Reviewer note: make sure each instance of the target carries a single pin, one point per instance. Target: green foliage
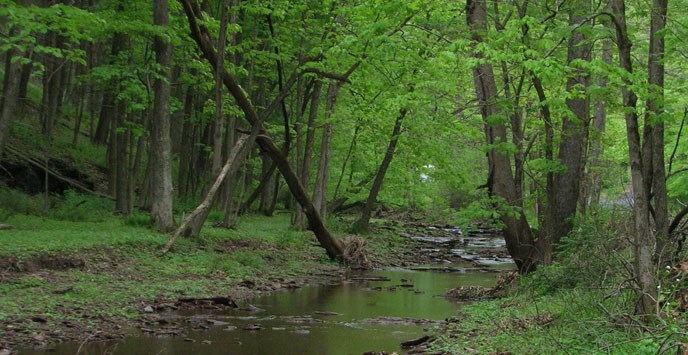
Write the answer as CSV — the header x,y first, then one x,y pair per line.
x,y
14,202
76,207
595,255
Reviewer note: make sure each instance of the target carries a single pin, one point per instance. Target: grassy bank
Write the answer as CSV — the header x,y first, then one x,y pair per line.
x,y
97,276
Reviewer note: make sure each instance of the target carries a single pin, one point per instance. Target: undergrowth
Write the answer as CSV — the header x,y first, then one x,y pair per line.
x,y
582,303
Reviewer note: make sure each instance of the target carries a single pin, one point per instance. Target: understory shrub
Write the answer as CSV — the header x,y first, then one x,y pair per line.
x,y
75,207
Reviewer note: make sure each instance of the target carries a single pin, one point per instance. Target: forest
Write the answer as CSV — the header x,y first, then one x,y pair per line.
x,y
158,157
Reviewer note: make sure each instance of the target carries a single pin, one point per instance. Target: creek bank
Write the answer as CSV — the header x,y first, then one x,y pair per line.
x,y
99,320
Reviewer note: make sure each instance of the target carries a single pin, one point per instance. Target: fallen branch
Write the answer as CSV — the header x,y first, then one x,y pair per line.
x,y
54,173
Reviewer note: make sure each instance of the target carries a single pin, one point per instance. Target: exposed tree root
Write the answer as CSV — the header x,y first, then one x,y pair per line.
x,y
355,254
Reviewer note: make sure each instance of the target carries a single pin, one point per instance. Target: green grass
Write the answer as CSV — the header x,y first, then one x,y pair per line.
x,y
124,266
570,322
33,235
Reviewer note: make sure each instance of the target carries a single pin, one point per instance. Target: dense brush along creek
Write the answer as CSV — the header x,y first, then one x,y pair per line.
x,y
371,311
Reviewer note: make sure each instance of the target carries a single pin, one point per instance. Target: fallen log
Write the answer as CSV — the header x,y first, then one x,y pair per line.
x,y
415,342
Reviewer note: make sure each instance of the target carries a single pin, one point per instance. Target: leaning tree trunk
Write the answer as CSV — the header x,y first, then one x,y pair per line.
x,y
192,224
160,151
333,247
517,233
362,224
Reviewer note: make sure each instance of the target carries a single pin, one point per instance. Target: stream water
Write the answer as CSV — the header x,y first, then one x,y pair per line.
x,y
371,311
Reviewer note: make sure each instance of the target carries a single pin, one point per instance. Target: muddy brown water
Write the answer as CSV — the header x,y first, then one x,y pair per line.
x,y
359,315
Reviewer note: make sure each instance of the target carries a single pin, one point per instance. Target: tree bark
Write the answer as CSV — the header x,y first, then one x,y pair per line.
x,y
593,179
192,224
333,247
517,233
160,151
120,136
308,147
186,150
644,242
363,223
10,96
266,190
219,120
655,108
110,96
561,209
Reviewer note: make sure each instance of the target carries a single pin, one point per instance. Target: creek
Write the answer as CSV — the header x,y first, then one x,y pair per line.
x,y
370,311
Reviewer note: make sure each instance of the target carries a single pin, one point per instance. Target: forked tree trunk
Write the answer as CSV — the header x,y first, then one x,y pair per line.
x,y
561,207
517,233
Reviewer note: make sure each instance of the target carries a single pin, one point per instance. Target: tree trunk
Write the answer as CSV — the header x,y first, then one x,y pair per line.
x,y
192,224
333,247
109,98
654,118
561,209
501,184
10,96
644,242
121,138
219,120
160,151
308,147
186,148
266,190
362,224
593,179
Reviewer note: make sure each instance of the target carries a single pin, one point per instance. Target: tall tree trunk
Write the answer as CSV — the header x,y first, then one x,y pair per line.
x,y
362,224
219,120
52,79
593,179
517,233
120,136
333,247
160,151
266,190
308,148
10,96
644,241
186,147
110,96
561,209
655,119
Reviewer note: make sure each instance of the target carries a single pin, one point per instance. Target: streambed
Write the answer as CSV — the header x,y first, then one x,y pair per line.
x,y
370,311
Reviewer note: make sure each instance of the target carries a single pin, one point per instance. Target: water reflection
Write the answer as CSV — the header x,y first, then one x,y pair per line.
x,y
351,318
